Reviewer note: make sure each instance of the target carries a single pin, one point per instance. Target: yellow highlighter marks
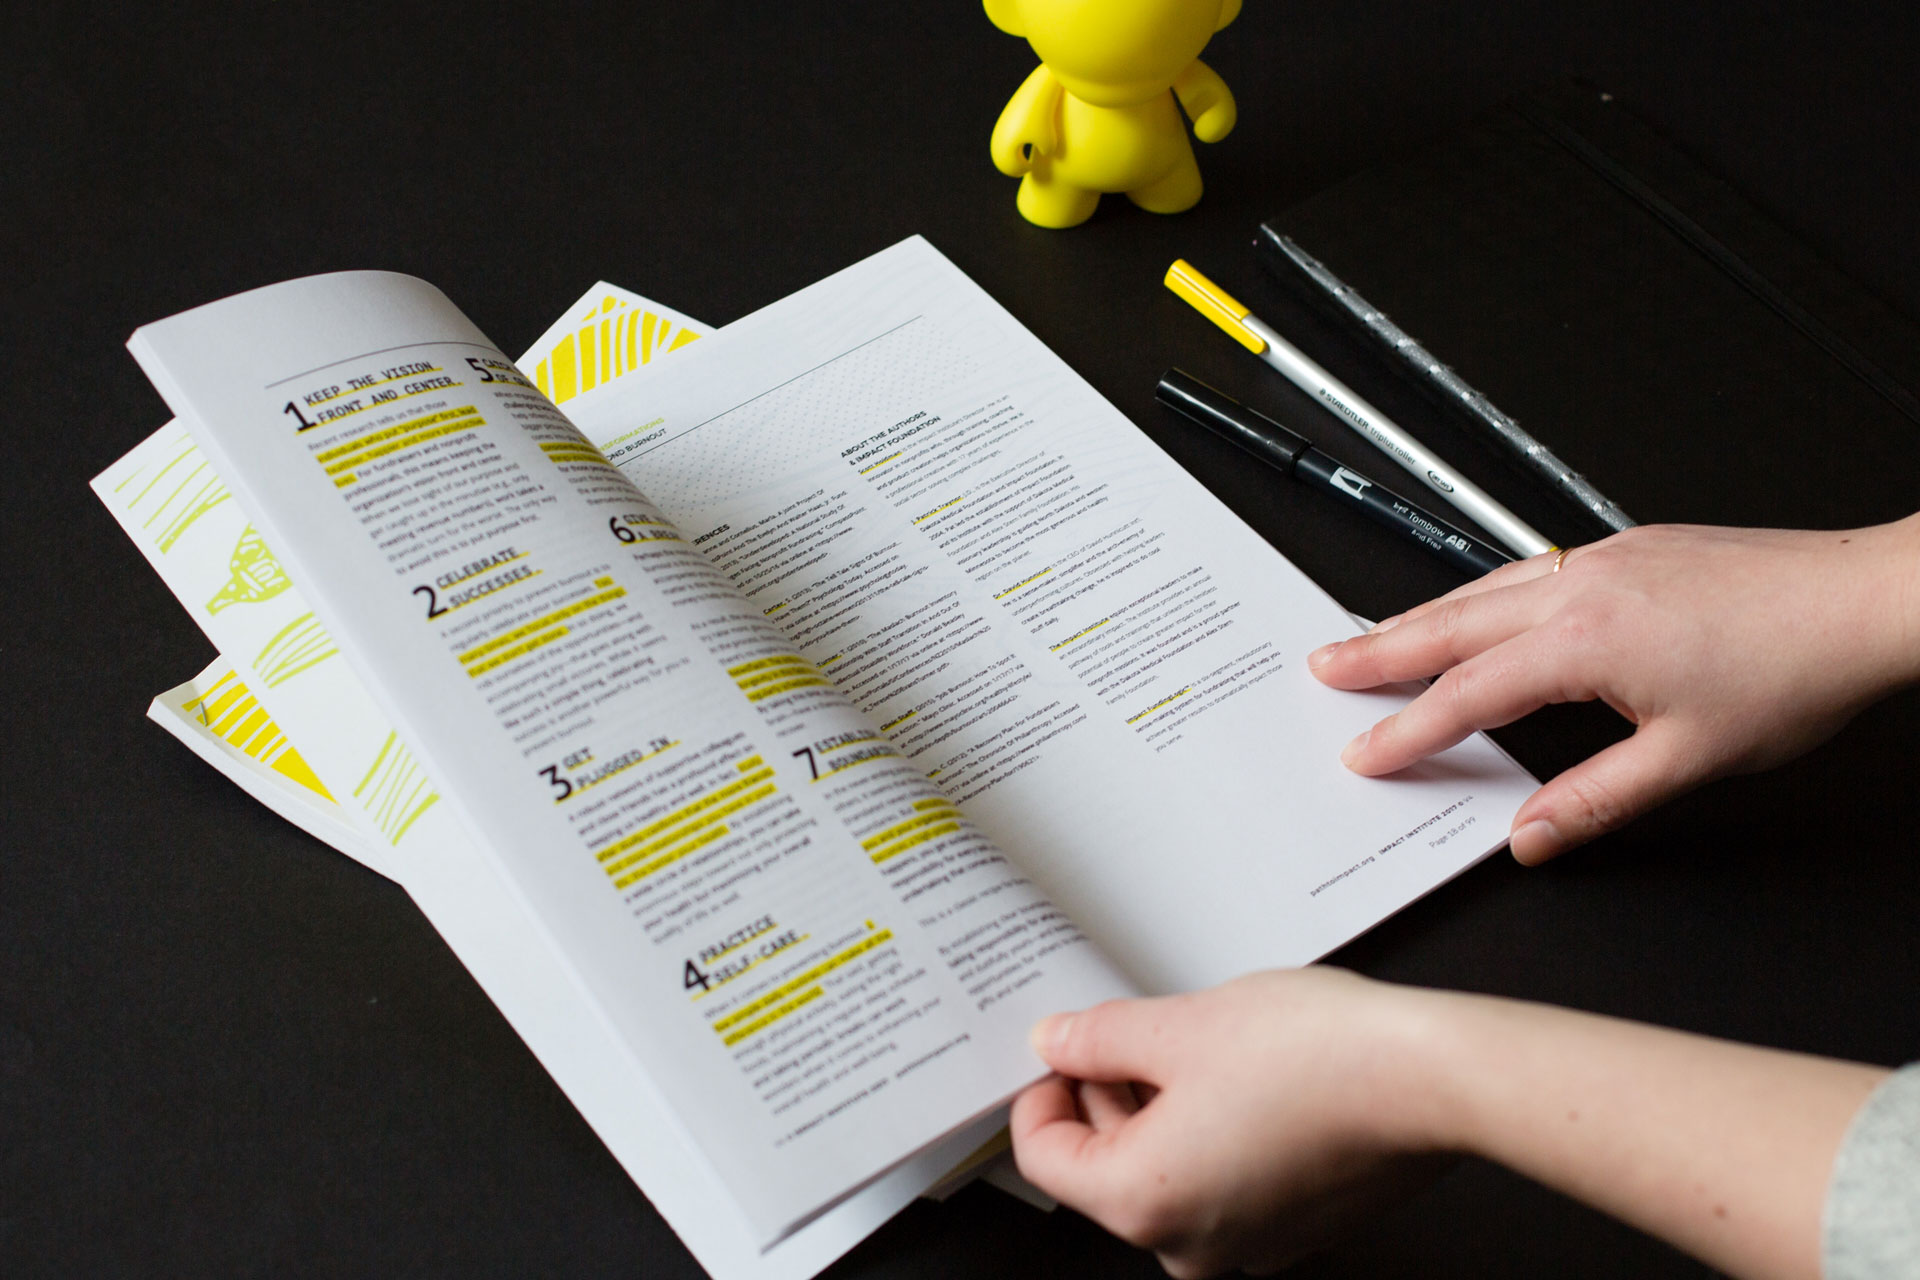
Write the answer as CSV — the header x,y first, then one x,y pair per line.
x,y
1213,302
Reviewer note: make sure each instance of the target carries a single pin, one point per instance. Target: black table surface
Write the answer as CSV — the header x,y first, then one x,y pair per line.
x,y
225,1049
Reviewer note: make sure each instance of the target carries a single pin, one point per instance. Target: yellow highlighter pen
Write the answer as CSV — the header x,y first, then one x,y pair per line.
x,y
1253,333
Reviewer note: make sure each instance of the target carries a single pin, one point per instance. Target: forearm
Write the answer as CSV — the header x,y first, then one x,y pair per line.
x,y
1721,1149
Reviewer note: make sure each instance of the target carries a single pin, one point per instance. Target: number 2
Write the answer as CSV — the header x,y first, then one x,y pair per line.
x,y
434,607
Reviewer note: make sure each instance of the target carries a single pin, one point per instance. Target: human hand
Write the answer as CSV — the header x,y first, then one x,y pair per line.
x,y
1243,1126
1730,650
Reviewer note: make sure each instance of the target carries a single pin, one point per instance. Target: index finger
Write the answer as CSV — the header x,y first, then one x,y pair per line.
x,y
1507,575
1436,638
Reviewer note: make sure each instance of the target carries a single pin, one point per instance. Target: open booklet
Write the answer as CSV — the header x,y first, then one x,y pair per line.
x,y
919,696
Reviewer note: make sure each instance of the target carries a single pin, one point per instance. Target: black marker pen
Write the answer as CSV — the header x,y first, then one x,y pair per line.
x,y
1292,454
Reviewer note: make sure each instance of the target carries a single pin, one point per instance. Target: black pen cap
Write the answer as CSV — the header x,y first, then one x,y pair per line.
x,y
1258,434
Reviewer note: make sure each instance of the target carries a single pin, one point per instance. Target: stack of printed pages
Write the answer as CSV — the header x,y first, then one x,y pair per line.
x,y
776,724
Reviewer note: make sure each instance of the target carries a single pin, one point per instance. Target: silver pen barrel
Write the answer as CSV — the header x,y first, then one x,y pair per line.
x,y
1451,385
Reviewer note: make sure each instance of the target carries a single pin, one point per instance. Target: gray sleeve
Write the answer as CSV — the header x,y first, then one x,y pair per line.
x,y
1871,1227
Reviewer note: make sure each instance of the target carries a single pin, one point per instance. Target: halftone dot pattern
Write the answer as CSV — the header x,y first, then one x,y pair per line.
x,y
759,444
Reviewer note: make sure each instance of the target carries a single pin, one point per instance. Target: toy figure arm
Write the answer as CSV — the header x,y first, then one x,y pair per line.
x,y
1027,123
1208,101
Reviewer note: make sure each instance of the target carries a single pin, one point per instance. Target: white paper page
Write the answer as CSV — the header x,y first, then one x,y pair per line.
x,y
1087,650
183,519
217,717
537,631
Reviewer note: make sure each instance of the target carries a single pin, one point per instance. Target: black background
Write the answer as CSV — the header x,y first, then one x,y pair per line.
x,y
226,1050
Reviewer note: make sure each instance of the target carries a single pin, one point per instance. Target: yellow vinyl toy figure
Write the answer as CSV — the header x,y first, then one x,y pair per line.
x,y
1098,113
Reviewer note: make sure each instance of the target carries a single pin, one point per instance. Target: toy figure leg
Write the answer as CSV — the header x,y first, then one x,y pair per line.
x,y
1053,203
1178,191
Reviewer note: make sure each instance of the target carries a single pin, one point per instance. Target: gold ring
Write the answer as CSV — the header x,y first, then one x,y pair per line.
x,y
1560,559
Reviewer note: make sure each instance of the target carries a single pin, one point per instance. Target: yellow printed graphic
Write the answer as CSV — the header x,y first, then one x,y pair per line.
x,y
254,575
413,371
639,758
1024,582
395,790
720,984
936,817
173,492
936,511
481,570
763,1011
301,644
913,841
694,825
229,711
1081,634
340,460
527,637
668,852
505,656
573,451
614,339
884,751
772,1016
875,466
1172,697
765,678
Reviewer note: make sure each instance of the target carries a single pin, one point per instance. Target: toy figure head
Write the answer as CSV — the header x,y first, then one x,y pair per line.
x,y
1114,53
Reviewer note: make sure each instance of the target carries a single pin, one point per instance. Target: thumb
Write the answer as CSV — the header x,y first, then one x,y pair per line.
x,y
1121,1040
1606,792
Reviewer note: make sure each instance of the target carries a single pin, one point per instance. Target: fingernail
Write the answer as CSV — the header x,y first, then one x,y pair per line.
x,y
1386,624
1351,752
1318,658
1534,842
1049,1033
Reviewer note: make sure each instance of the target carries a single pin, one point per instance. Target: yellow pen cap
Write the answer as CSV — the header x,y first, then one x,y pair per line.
x,y
1213,302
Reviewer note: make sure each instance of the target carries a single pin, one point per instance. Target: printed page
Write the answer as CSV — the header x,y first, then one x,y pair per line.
x,y
608,335
216,716
791,949
1080,645
183,517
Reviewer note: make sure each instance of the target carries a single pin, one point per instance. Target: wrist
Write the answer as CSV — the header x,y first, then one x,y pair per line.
x,y
1435,1057
1903,595
1465,1061
1874,599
